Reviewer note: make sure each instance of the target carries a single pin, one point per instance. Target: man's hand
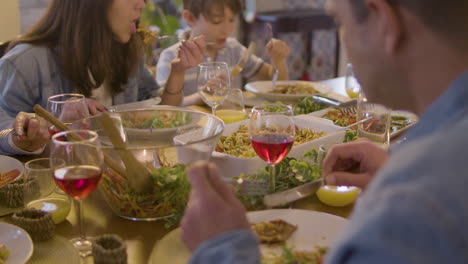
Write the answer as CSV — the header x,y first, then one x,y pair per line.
x,y
32,132
212,209
190,54
362,155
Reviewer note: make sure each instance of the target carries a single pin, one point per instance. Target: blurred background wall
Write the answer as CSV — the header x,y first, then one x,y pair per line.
x,y
9,19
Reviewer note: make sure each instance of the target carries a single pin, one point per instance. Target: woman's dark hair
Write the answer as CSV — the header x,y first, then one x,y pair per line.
x,y
207,8
88,50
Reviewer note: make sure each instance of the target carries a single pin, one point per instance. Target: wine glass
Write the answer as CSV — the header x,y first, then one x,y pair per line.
x,y
232,109
67,108
213,82
352,85
79,176
272,133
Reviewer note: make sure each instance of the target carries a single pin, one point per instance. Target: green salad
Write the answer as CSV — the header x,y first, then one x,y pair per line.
x,y
289,173
163,119
168,197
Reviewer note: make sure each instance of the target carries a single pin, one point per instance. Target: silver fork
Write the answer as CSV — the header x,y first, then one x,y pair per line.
x,y
5,132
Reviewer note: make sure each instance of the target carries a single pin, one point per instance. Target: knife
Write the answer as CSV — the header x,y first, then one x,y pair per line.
x,y
332,102
291,195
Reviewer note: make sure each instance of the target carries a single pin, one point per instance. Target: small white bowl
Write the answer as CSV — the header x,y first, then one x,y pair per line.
x,y
8,163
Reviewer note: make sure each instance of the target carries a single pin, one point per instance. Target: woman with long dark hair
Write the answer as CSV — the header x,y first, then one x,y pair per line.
x,y
82,46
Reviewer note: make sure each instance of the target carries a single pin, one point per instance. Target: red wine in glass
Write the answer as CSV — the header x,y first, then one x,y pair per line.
x,y
53,130
78,181
272,148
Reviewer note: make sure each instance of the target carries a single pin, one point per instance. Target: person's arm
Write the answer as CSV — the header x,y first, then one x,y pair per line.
x,y
190,54
278,50
17,95
353,164
224,235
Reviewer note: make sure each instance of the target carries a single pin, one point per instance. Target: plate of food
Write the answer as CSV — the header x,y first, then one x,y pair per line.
x,y
234,154
306,235
16,245
11,170
286,91
400,120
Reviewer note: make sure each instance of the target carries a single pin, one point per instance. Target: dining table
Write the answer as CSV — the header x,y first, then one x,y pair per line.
x,y
141,237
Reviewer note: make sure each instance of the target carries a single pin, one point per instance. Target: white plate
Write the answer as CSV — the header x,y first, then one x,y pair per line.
x,y
8,163
149,103
314,229
411,116
17,241
263,89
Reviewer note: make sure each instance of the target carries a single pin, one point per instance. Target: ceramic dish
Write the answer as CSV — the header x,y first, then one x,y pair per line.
x,y
314,229
18,243
264,89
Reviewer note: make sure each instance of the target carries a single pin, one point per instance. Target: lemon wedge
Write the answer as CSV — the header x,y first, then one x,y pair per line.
x,y
337,195
58,207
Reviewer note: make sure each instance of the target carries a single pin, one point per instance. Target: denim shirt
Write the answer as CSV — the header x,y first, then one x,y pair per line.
x,y
30,74
414,211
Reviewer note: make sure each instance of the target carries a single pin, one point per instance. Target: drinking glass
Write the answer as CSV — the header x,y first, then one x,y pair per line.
x,y
232,109
37,196
80,174
272,133
352,85
376,126
67,108
213,83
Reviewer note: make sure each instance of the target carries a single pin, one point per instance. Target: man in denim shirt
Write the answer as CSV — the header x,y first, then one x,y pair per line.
x,y
408,55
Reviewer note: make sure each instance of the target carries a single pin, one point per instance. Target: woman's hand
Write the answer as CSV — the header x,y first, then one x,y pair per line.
x,y
190,54
95,107
32,132
278,50
354,163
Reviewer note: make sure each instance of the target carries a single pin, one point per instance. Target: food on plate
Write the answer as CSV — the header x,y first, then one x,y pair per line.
x,y
9,176
289,173
399,122
275,231
337,195
4,253
296,88
289,255
168,197
308,105
238,143
340,118
164,119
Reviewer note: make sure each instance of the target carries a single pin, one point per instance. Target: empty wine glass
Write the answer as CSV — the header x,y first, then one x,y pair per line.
x,y
213,82
79,175
352,85
272,133
232,109
67,108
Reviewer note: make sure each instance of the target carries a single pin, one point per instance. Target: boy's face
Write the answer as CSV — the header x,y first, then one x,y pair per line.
x,y
217,28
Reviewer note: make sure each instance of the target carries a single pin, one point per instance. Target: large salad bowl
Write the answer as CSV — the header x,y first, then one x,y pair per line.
x,y
165,140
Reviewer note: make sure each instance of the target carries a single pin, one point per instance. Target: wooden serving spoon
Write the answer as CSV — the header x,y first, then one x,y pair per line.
x,y
137,174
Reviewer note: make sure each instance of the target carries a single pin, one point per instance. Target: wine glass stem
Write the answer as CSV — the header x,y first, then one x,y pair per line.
x,y
79,215
272,184
213,110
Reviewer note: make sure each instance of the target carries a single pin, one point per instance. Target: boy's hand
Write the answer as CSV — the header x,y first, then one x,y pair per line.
x,y
278,50
190,54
